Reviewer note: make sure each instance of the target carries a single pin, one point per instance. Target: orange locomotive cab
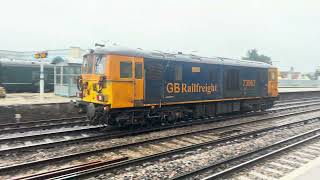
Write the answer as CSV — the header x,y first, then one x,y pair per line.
x,y
93,79
111,82
127,81
273,82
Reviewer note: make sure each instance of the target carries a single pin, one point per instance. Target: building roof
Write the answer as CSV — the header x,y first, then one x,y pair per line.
x,y
177,57
18,63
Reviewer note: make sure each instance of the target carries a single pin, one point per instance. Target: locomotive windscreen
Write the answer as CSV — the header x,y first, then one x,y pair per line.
x,y
87,65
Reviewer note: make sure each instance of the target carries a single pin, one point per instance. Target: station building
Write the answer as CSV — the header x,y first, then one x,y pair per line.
x,y
69,53
66,62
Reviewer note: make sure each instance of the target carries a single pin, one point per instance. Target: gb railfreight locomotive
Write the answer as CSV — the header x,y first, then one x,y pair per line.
x,y
123,86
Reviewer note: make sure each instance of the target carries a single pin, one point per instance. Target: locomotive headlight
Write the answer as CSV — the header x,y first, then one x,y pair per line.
x,y
80,94
101,97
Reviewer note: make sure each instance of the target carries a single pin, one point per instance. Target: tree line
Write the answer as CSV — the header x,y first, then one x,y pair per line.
x,y
252,55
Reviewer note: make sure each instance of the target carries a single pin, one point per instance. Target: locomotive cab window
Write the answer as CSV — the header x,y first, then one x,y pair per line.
x,y
100,64
272,76
138,71
87,66
125,70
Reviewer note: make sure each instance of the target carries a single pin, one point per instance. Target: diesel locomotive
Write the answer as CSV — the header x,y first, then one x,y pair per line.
x,y
120,87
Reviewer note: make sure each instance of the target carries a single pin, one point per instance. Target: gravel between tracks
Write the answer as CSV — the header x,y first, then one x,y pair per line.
x,y
39,154
169,167
64,150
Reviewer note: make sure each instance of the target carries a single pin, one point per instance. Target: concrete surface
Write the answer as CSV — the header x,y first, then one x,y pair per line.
x,y
284,90
309,171
32,98
30,107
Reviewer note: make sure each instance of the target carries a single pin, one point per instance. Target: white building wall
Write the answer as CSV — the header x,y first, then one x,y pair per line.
x,y
72,52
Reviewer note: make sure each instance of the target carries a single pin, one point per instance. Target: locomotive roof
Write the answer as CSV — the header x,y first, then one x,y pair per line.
x,y
19,63
178,57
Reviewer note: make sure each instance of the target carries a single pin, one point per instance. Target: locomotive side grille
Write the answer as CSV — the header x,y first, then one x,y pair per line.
x,y
154,70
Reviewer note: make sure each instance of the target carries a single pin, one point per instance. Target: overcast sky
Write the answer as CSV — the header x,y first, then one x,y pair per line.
x,y
286,30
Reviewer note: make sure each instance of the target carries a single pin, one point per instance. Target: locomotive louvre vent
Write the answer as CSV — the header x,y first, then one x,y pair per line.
x,y
154,70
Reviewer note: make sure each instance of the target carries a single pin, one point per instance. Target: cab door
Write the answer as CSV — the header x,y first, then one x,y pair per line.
x,y
127,77
273,82
138,80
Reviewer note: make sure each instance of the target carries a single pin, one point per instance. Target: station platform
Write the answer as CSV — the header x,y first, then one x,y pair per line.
x,y
33,98
19,107
309,171
296,89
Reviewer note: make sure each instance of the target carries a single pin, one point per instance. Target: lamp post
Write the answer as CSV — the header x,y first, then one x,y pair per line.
x,y
41,56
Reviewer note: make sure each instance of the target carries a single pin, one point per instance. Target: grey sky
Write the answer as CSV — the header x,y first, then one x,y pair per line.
x,y
286,30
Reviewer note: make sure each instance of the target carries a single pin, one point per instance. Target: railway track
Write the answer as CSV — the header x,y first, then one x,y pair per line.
x,y
292,106
303,101
284,165
43,124
93,170
235,164
222,130
24,142
23,127
294,100
40,125
121,134
99,136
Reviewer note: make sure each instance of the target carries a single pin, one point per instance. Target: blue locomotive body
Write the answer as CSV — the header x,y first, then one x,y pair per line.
x,y
187,82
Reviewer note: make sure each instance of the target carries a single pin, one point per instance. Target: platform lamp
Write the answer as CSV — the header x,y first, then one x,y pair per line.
x,y
41,55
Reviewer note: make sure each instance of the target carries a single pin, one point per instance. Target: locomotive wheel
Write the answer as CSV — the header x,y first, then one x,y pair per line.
x,y
95,114
91,112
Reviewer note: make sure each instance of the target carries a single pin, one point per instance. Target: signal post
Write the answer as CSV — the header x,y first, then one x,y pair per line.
x,y
41,56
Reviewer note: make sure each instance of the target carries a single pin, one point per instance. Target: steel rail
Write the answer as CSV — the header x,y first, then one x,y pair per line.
x,y
119,134
136,161
296,103
47,124
275,109
123,133
15,125
64,171
247,163
88,153
293,100
46,134
66,124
